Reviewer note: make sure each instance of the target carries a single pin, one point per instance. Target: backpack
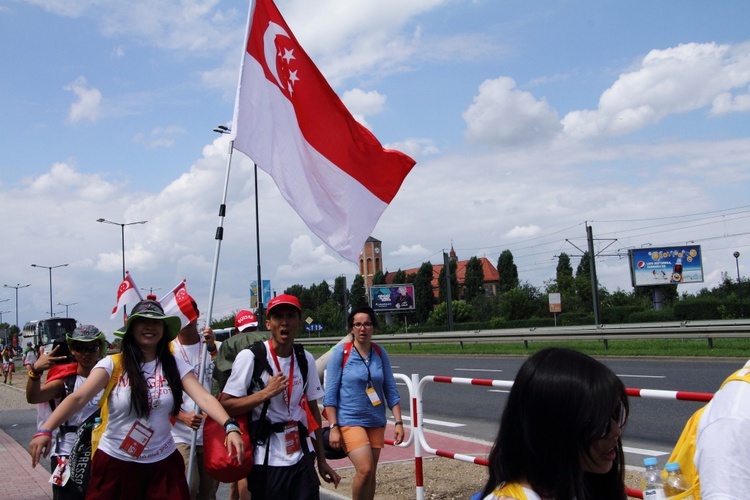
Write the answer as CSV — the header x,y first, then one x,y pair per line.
x,y
348,350
684,451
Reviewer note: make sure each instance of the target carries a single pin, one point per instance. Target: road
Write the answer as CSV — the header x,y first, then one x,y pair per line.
x,y
653,426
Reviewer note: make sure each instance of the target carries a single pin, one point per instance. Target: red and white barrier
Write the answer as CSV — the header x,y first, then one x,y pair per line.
x,y
417,435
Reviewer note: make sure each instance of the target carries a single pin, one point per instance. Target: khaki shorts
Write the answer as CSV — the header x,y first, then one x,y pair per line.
x,y
356,437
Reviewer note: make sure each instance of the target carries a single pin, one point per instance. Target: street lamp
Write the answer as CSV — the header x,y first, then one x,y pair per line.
x,y
151,289
50,283
122,228
66,307
739,283
18,285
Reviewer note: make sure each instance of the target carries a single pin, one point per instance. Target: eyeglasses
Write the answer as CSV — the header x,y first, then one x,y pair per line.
x,y
366,324
83,349
619,415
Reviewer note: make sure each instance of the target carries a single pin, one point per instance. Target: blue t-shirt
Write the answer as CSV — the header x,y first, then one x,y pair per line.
x,y
346,391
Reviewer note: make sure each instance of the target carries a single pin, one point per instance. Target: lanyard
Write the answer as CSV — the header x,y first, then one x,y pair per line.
x,y
288,394
183,352
367,363
154,393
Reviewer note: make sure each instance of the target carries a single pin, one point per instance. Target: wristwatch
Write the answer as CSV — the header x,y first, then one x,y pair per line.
x,y
332,426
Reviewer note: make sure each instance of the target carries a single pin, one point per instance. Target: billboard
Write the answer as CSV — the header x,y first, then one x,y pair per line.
x,y
666,266
254,293
392,297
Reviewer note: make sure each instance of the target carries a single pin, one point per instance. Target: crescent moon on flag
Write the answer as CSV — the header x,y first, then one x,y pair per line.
x,y
269,48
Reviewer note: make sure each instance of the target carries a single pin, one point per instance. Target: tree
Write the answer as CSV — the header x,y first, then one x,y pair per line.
x,y
583,283
473,279
462,313
523,302
424,297
400,277
357,296
508,272
442,291
378,278
339,289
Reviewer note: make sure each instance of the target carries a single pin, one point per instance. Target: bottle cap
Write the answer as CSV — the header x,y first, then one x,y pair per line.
x,y
649,461
672,466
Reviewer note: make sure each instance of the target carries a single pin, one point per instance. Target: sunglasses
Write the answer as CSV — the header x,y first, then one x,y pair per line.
x,y
86,348
619,416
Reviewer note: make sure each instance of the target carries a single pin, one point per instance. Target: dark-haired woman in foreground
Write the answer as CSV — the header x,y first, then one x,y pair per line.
x,y
559,434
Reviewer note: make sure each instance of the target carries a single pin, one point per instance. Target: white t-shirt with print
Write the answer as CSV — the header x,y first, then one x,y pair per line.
x,y
190,354
66,444
121,419
239,382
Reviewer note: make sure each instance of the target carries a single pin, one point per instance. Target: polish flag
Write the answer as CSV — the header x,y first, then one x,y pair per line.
x,y
332,170
127,294
178,303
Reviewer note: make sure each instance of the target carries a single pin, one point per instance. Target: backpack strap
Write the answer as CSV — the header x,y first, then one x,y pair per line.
x,y
348,350
96,434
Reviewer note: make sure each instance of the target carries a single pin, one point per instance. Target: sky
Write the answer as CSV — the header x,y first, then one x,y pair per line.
x,y
528,121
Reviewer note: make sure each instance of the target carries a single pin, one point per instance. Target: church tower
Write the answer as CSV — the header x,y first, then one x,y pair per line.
x,y
370,260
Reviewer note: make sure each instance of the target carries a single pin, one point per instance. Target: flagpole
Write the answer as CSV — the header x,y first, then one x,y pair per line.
x,y
261,321
219,237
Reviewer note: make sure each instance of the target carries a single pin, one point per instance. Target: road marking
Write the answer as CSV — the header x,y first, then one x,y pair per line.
x,y
641,451
641,376
476,370
436,422
499,390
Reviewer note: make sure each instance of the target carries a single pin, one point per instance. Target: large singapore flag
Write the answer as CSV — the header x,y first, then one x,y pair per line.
x,y
332,170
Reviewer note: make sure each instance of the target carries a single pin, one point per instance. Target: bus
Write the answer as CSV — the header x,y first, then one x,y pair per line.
x,y
46,331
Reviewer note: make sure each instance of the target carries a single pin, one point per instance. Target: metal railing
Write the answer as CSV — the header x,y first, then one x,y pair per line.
x,y
708,330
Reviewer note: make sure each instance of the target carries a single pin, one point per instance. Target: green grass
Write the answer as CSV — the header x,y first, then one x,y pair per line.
x,y
734,348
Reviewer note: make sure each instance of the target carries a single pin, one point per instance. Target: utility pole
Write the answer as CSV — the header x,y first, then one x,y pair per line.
x,y
448,300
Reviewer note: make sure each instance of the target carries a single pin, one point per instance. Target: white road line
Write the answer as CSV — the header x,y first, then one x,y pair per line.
x,y
647,453
437,422
476,370
499,390
641,376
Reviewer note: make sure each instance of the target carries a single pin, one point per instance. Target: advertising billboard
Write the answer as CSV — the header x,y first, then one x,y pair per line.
x,y
392,297
666,266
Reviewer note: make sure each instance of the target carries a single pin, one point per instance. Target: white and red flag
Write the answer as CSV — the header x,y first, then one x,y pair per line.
x,y
331,169
178,303
127,294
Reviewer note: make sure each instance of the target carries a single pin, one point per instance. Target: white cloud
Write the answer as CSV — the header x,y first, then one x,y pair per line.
x,y
670,81
88,105
523,232
502,115
159,137
416,250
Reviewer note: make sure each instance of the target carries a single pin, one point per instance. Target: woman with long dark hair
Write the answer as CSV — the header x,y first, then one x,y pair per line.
x,y
559,435
136,456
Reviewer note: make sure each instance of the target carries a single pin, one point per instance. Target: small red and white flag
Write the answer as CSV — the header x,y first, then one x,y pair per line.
x,y
331,169
127,294
179,303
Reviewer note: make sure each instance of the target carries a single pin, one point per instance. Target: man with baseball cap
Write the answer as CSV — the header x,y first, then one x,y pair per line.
x,y
283,463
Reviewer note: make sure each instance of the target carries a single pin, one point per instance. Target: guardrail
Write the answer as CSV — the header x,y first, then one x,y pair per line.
x,y
708,330
415,386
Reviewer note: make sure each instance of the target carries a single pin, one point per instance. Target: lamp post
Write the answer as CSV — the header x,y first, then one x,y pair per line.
x,y
50,283
122,233
151,289
66,307
739,283
5,337
18,285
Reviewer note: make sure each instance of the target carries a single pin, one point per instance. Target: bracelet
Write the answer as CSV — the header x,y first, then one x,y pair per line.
x,y
43,432
231,430
34,377
36,372
399,422
230,421
211,350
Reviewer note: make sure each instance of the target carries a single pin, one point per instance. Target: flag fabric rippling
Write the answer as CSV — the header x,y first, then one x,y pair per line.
x,y
178,303
127,294
332,171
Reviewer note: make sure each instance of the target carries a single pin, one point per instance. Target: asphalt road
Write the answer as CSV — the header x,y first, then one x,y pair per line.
x,y
474,411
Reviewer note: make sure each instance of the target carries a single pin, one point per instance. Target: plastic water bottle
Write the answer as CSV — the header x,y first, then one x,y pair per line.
x,y
97,422
675,482
651,482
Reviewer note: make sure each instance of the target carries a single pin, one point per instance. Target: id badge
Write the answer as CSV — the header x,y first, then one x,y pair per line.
x,y
61,474
373,395
136,440
291,437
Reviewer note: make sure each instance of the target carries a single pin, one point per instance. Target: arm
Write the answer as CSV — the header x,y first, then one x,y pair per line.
x,y
240,405
210,338
391,393
69,406
35,392
326,471
213,408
